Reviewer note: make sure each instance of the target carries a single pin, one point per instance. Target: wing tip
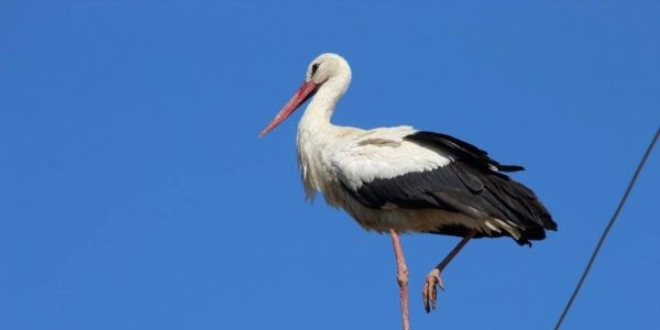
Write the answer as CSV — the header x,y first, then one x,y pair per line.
x,y
510,168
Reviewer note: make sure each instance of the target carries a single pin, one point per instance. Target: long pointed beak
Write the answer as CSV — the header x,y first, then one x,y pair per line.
x,y
305,91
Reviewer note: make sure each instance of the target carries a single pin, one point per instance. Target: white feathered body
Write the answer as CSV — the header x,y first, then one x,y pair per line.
x,y
333,155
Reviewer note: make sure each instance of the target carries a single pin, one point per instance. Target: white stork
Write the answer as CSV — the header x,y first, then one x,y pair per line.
x,y
399,179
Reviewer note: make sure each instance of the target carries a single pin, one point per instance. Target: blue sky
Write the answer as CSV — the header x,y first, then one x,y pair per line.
x,y
134,193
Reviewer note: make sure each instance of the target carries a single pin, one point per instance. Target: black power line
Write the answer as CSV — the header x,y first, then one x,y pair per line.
x,y
607,229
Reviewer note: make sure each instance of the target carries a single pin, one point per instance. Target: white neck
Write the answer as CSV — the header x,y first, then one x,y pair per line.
x,y
322,106
315,133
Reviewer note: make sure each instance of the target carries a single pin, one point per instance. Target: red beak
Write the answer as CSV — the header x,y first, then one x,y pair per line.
x,y
305,91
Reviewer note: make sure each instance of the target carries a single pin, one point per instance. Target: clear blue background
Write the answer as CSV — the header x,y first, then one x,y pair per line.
x,y
134,193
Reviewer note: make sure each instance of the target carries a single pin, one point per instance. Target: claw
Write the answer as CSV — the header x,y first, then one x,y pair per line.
x,y
430,292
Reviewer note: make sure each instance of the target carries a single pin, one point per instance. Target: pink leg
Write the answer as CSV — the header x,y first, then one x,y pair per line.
x,y
401,277
430,292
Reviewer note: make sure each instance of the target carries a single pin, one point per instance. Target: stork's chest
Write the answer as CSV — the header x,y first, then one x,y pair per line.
x,y
317,147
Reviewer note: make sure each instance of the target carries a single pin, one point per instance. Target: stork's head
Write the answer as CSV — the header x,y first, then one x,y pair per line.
x,y
325,67
329,71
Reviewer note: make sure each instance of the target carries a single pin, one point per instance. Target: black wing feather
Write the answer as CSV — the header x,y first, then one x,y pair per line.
x,y
466,151
472,184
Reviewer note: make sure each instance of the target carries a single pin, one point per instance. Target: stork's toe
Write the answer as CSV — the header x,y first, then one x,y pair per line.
x,y
430,291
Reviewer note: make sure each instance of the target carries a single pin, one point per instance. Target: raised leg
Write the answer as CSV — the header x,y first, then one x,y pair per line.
x,y
430,291
401,278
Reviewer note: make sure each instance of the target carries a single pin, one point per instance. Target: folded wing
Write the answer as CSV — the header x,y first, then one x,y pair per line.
x,y
425,170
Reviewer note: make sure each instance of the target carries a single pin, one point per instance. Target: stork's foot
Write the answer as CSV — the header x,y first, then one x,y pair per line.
x,y
430,292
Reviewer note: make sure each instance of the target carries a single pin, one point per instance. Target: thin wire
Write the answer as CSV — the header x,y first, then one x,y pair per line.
x,y
607,229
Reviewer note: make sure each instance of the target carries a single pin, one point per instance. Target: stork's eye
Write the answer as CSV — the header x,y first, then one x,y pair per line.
x,y
315,67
